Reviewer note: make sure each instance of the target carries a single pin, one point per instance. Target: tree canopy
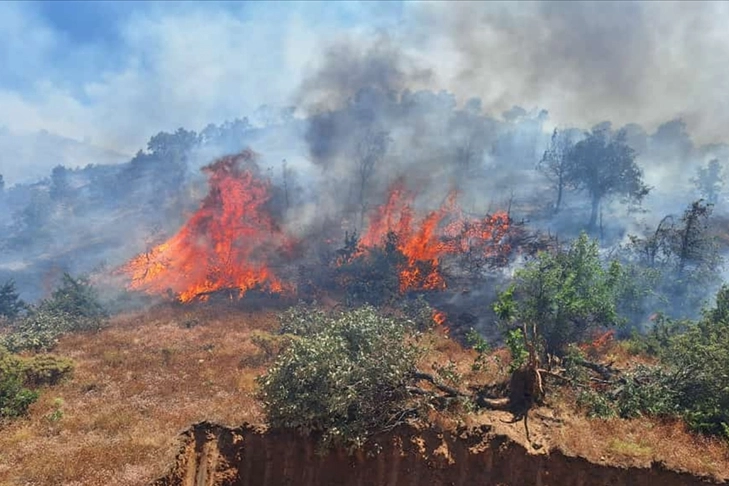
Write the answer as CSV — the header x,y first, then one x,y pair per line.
x,y
603,165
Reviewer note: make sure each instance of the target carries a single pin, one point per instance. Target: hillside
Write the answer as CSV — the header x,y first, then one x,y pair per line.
x,y
148,376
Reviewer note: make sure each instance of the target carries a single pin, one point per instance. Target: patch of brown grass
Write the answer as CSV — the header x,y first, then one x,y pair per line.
x,y
137,384
638,442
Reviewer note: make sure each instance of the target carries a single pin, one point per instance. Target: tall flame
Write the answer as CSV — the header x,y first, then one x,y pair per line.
x,y
427,240
224,245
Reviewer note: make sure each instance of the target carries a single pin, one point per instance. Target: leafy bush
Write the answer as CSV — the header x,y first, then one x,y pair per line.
x,y
563,295
692,381
420,312
517,349
344,377
372,276
302,320
595,404
481,346
14,397
646,391
699,362
37,331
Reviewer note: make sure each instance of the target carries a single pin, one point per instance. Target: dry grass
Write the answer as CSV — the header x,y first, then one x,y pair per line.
x,y
136,385
639,442
148,376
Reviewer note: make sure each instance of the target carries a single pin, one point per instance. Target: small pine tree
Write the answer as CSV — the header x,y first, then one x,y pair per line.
x,y
10,303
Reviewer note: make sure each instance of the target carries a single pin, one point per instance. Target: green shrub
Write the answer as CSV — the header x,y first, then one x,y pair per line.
x,y
481,346
39,330
517,349
692,380
595,404
646,391
46,369
303,320
14,397
420,312
345,378
371,276
563,295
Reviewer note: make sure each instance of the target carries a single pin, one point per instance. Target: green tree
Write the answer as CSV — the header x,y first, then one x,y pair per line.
x,y
77,298
73,306
709,181
604,165
10,303
562,295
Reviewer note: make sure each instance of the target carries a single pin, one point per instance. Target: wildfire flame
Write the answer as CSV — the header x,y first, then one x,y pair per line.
x,y
224,245
426,241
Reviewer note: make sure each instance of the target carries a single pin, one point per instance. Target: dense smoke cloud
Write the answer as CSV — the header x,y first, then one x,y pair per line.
x,y
643,62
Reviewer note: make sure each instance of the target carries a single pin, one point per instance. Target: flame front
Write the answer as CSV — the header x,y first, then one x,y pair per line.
x,y
425,241
224,245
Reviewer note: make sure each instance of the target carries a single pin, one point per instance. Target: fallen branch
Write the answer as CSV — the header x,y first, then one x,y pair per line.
x,y
450,391
606,371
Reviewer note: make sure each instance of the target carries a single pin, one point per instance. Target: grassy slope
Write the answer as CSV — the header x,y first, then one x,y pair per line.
x,y
148,376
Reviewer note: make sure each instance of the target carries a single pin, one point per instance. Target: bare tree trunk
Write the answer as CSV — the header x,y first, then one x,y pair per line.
x,y
560,188
593,214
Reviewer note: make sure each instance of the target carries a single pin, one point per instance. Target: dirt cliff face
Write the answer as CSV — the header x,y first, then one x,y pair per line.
x,y
221,456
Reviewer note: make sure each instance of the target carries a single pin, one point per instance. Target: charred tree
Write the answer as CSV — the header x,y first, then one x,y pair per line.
x,y
369,151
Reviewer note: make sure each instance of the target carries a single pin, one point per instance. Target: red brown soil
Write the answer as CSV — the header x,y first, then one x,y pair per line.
x,y
246,456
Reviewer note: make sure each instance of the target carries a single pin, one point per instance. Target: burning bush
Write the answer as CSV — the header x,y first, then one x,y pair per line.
x,y
371,276
228,244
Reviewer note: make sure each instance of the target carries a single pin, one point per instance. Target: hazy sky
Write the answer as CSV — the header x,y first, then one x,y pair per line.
x,y
115,73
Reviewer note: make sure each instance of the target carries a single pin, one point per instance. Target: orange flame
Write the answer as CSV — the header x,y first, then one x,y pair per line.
x,y
426,241
224,245
439,317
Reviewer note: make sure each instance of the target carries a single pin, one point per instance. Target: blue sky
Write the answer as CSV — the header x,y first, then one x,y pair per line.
x,y
139,67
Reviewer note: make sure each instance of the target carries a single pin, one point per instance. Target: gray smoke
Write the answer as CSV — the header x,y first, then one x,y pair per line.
x,y
643,62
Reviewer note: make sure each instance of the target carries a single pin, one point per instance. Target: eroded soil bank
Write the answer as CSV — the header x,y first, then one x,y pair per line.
x,y
247,456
